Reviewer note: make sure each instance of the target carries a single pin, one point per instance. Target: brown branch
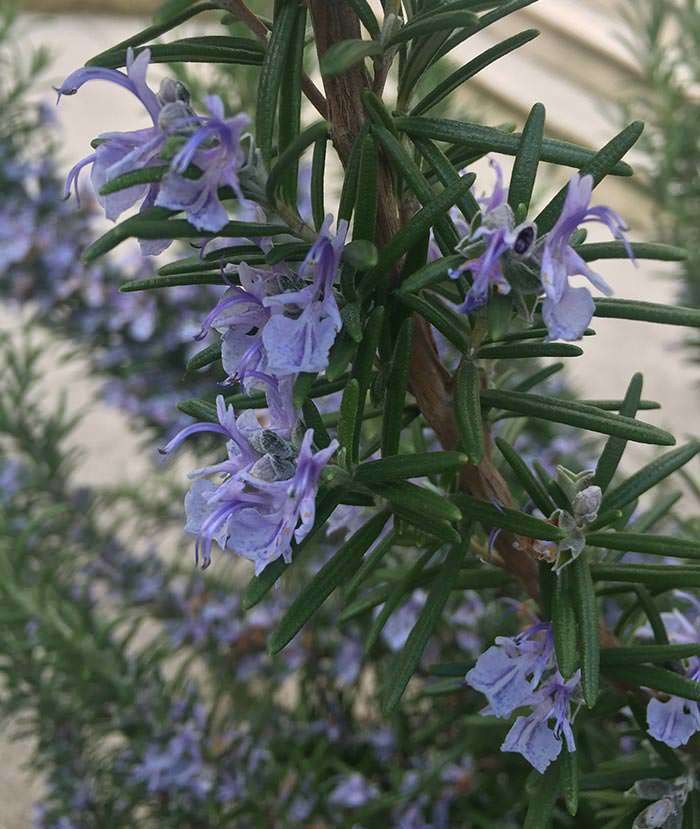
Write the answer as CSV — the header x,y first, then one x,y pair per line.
x,y
431,384
240,11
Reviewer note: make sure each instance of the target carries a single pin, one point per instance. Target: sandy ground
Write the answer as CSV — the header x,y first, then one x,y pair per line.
x,y
620,349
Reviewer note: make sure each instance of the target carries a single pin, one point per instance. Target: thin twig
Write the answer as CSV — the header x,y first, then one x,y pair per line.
x,y
240,11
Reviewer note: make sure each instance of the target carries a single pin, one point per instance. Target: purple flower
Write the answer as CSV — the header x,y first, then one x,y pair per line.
x,y
567,311
674,721
533,736
400,624
509,671
120,152
300,339
268,496
501,236
215,148
352,792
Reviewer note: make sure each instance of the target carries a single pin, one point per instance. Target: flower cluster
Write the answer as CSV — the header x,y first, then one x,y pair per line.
x,y
521,671
566,310
269,487
204,152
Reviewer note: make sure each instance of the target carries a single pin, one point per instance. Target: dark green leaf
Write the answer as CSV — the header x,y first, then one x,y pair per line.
x,y
522,180
272,73
615,447
451,325
434,23
564,624
649,676
473,67
576,414
419,500
638,654
570,779
397,385
537,493
205,357
631,309
431,274
595,251
467,403
655,545
344,54
407,659
490,139
543,799
400,467
604,162
656,576
650,475
155,282
291,155
517,351
318,183
507,519
366,201
206,49
586,606
336,571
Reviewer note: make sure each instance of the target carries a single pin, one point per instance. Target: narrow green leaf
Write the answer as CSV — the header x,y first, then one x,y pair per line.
x,y
408,658
649,676
318,182
144,175
450,324
603,163
349,192
398,595
527,159
631,309
650,475
289,117
364,11
431,274
472,68
570,779
518,351
576,414
291,155
638,654
655,576
537,493
660,509
611,455
345,54
313,420
401,467
205,357
434,23
361,254
507,519
418,499
655,545
152,224
336,571
467,403
447,174
364,365
369,565
271,76
206,49
483,139
421,222
538,377
564,624
156,282
543,798
259,586
365,225
397,385
595,251
349,411
586,606
408,170
155,31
